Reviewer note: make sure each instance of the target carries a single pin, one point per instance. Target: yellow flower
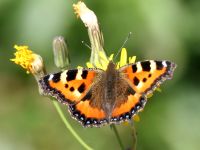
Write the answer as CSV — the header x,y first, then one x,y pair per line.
x,y
28,60
123,60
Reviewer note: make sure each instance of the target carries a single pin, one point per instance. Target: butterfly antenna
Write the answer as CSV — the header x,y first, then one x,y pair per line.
x,y
83,42
125,41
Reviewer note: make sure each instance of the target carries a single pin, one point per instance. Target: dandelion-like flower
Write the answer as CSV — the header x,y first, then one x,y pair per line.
x,y
28,60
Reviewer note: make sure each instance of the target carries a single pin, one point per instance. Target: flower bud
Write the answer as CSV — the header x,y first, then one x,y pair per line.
x,y
60,51
95,35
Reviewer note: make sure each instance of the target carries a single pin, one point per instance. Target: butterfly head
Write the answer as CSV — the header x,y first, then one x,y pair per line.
x,y
111,67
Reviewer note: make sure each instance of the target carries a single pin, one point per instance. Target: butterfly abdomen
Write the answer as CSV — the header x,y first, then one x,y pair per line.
x,y
114,89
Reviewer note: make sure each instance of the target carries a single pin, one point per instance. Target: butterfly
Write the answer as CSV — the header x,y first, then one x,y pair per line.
x,y
97,97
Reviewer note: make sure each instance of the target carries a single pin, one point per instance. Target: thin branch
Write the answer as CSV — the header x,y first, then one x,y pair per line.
x,y
117,136
134,135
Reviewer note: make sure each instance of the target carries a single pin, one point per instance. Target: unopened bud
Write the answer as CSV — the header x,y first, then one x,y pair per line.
x,y
60,51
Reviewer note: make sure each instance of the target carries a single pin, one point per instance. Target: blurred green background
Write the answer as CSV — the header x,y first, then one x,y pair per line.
x,y
162,29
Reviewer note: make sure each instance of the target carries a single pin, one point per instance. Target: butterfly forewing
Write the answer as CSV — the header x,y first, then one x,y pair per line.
x,y
145,76
69,86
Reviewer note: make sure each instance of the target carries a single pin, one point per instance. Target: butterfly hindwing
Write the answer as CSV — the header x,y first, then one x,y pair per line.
x,y
145,76
86,114
131,106
69,86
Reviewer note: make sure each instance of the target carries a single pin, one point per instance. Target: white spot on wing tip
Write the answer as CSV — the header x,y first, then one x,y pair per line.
x,y
139,67
78,76
153,66
50,77
63,76
164,63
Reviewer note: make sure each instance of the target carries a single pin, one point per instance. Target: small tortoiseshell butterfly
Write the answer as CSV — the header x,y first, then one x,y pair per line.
x,y
96,97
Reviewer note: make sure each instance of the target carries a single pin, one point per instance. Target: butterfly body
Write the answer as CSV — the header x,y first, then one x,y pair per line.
x,y
96,97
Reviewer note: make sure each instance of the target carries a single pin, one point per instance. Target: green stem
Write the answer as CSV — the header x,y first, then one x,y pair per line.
x,y
117,136
134,136
69,127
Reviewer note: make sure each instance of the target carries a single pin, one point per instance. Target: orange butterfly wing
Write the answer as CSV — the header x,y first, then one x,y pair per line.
x,y
88,115
127,110
143,77
69,86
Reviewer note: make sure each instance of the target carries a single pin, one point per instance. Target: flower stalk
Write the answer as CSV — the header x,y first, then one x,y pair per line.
x,y
113,127
134,135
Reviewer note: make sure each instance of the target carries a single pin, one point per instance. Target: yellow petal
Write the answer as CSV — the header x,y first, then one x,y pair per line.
x,y
117,65
132,59
158,89
79,67
103,57
89,65
125,123
149,95
111,57
136,118
28,60
98,65
123,57
24,57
